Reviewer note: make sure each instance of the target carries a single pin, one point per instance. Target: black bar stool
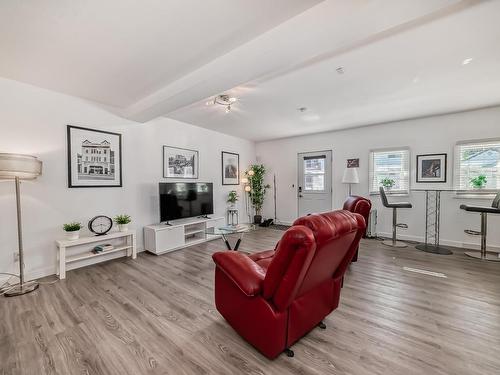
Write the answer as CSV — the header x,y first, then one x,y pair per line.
x,y
395,224
484,211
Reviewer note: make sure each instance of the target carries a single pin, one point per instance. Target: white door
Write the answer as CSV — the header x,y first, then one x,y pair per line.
x,y
315,182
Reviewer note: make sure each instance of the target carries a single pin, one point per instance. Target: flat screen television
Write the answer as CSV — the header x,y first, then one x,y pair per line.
x,y
180,200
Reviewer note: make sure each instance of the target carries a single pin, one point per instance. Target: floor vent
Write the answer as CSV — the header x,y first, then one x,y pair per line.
x,y
424,272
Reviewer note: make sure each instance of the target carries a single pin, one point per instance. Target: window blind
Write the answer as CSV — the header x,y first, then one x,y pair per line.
x,y
393,164
475,158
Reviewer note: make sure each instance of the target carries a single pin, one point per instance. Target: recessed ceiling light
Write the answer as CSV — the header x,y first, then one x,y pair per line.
x,y
467,61
340,70
302,109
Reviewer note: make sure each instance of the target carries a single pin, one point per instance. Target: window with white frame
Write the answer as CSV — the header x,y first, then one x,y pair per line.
x,y
393,164
477,160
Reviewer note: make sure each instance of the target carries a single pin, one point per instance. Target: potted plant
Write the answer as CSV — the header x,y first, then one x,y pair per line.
x,y
257,191
232,198
123,221
72,230
479,182
387,183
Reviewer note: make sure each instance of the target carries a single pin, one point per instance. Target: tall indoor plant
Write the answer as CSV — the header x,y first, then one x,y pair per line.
x,y
255,174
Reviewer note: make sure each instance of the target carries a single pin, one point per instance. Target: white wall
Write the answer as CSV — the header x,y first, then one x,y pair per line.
x,y
33,121
436,134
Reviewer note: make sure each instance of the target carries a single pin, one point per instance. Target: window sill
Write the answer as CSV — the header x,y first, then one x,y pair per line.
x,y
472,195
392,194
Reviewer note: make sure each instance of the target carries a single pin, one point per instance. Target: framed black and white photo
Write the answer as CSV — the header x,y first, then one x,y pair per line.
x,y
180,162
94,158
230,168
431,168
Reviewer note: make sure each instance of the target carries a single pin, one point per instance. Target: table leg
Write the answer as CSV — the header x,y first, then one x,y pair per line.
x,y
62,262
237,244
134,247
432,224
224,238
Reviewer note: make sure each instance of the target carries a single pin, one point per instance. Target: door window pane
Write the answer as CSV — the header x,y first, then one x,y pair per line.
x,y
314,173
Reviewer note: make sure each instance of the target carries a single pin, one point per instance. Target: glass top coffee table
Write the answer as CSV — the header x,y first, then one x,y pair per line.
x,y
225,231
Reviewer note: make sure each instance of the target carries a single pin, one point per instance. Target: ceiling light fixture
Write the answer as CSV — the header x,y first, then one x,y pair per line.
x,y
302,109
340,70
467,61
224,100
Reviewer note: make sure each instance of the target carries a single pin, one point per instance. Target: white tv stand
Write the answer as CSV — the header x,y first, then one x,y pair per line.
x,y
163,238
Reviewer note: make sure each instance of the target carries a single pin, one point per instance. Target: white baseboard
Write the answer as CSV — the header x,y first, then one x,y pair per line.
x,y
445,242
279,222
41,272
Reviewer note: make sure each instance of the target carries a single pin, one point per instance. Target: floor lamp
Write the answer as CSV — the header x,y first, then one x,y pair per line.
x,y
350,177
20,167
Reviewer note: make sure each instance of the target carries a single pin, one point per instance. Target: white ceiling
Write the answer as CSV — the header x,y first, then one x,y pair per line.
x,y
409,71
116,52
402,59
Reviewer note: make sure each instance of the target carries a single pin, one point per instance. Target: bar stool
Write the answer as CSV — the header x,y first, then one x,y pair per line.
x,y
484,211
393,242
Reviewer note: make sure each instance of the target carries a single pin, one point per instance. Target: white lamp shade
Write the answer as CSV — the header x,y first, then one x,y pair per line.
x,y
244,180
350,176
25,167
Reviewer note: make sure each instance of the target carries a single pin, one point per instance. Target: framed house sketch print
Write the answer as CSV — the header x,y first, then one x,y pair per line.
x,y
180,162
94,158
230,168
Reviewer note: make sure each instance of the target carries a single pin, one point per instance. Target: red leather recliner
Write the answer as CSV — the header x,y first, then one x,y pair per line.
x,y
358,205
275,297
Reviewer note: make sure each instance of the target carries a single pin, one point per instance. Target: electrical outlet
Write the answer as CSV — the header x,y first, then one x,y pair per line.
x,y
16,257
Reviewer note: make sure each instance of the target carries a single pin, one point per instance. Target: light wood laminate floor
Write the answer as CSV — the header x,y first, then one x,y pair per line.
x,y
156,315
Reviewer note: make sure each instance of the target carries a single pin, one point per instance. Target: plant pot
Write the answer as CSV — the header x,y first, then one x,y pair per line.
x,y
123,227
257,219
73,235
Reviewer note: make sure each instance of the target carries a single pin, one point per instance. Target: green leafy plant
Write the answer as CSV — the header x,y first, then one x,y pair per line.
x,y
72,227
257,193
122,219
479,182
232,197
387,183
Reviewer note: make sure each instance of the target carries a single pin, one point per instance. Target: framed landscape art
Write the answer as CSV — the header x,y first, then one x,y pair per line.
x,y
230,168
180,163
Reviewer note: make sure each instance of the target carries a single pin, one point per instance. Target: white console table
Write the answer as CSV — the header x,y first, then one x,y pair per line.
x,y
129,246
163,238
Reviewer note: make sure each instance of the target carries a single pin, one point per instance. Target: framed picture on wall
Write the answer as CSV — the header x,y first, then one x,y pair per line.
x,y
431,168
94,158
230,168
180,162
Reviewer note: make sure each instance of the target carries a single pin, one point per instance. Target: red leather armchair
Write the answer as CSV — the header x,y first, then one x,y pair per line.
x,y
358,205
273,298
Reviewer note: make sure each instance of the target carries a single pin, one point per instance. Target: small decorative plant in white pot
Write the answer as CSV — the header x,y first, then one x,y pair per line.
x,y
232,198
387,183
72,230
479,182
123,221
